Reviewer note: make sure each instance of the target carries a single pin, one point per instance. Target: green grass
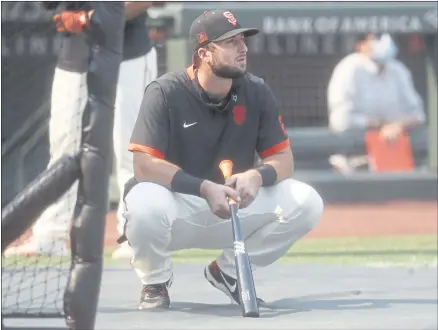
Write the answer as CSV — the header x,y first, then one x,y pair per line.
x,y
419,250
414,250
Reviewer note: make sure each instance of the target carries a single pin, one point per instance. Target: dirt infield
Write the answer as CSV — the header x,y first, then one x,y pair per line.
x,y
396,218
359,220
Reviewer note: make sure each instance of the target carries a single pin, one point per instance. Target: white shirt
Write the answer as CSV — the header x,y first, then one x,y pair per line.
x,y
358,93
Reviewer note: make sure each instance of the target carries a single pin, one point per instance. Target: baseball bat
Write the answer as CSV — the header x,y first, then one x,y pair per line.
x,y
245,281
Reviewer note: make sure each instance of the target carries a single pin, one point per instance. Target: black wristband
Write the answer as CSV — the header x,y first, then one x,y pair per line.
x,y
185,183
269,175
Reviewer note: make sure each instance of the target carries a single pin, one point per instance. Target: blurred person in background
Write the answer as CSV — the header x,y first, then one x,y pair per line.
x,y
138,69
371,89
68,101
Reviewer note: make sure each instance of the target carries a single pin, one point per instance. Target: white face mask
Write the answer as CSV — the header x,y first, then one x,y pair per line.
x,y
384,49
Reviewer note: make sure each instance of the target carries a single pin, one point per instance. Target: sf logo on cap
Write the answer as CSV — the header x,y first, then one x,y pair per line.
x,y
202,37
230,18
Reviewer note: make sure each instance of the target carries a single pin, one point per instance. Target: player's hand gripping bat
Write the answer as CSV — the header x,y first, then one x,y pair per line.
x,y
245,281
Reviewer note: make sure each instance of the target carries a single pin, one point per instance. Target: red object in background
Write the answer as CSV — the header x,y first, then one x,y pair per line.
x,y
386,156
158,35
71,21
415,43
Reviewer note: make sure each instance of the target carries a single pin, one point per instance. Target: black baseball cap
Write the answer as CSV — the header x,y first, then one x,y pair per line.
x,y
216,25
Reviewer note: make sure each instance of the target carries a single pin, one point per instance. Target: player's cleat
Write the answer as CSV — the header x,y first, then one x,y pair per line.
x,y
223,282
155,296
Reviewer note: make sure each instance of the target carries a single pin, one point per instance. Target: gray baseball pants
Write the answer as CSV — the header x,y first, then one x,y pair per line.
x,y
160,222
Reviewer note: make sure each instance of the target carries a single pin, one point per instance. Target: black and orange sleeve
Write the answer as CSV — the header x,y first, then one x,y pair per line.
x,y
272,135
151,130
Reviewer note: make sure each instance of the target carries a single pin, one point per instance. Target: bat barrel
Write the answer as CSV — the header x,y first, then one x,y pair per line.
x,y
254,313
245,279
245,282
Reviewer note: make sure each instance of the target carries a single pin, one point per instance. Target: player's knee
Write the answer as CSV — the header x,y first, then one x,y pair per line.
x,y
313,206
308,202
149,208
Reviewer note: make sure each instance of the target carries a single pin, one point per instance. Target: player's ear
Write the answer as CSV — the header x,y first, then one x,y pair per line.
x,y
203,54
200,53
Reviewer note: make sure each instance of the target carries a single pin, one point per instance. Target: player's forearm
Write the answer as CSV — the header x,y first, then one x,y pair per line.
x,y
282,162
152,169
135,8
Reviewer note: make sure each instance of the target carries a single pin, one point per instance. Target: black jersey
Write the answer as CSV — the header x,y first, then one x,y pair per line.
x,y
177,122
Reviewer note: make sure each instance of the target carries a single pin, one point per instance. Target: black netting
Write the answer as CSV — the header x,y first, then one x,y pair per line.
x,y
34,274
53,269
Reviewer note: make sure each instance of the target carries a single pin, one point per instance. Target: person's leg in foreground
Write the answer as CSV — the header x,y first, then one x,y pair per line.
x,y
68,101
134,76
138,69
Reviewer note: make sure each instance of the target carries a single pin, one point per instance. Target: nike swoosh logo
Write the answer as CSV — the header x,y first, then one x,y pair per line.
x,y
188,125
232,288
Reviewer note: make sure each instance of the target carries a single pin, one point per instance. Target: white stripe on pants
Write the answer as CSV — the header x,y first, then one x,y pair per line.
x,y
159,222
134,76
68,101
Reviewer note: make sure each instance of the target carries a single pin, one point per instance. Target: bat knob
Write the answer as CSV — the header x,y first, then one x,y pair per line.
x,y
226,166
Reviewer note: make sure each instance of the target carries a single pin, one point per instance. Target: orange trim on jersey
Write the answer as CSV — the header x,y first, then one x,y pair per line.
x,y
274,149
138,147
190,72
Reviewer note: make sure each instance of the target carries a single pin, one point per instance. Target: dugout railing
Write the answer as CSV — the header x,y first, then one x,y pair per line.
x,y
90,169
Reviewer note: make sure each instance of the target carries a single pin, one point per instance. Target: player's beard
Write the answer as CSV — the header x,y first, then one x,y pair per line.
x,y
226,71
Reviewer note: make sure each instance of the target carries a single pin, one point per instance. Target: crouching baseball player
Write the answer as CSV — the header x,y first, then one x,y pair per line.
x,y
189,121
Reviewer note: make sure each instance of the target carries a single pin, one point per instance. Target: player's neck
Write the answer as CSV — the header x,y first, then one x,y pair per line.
x,y
213,84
